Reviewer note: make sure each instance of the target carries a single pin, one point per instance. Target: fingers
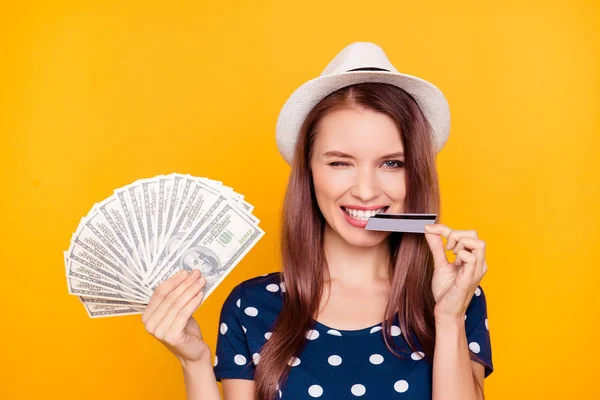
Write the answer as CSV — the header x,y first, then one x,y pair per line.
x,y
455,236
439,229
466,275
161,293
475,247
437,250
178,304
164,306
185,313
474,258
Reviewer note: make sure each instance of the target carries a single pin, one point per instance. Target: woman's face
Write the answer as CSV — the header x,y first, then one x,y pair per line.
x,y
358,169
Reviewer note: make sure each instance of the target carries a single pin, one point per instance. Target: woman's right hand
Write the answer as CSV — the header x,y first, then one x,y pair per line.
x,y
168,316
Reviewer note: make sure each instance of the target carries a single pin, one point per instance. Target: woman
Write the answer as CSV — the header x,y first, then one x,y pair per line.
x,y
354,313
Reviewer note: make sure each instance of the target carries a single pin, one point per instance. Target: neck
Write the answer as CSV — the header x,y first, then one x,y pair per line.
x,y
355,265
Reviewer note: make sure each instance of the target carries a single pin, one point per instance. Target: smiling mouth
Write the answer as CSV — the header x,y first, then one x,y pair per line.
x,y
363,215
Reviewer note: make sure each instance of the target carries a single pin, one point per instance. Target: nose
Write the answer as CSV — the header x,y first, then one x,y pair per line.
x,y
366,186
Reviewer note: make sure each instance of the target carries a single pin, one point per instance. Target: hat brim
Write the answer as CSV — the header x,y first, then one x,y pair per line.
x,y
430,99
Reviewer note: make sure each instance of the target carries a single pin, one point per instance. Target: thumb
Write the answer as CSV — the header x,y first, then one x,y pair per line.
x,y
437,249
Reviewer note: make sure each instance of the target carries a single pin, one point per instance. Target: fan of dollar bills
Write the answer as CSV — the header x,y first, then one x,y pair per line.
x,y
149,230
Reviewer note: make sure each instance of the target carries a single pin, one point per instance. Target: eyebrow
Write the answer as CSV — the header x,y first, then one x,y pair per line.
x,y
340,154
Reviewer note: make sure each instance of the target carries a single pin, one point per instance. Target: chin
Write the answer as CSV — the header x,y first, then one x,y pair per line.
x,y
358,238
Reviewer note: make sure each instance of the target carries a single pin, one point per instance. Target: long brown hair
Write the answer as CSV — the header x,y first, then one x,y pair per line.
x,y
303,258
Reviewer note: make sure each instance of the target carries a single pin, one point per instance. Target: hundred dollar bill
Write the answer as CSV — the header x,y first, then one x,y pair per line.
x,y
150,191
82,273
80,252
247,206
136,198
86,238
202,200
244,205
185,193
138,243
236,197
241,207
179,182
211,182
134,201
214,247
97,300
97,225
114,215
109,310
79,287
131,242
82,288
184,196
165,186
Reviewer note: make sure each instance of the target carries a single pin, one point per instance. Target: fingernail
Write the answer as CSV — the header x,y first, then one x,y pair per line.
x,y
182,272
195,273
428,227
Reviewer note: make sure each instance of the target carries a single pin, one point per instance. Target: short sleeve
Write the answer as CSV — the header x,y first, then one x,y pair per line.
x,y
232,355
478,335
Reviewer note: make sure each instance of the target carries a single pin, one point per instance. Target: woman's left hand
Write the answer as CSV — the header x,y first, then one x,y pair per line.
x,y
454,284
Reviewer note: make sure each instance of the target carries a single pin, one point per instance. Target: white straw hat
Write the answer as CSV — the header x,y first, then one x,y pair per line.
x,y
359,62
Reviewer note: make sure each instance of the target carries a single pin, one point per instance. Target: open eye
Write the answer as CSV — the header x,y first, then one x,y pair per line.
x,y
394,164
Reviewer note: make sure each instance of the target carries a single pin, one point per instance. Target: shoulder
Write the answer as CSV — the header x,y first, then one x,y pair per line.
x,y
260,293
257,283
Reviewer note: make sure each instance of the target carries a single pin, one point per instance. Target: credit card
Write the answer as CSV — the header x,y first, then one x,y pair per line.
x,y
410,222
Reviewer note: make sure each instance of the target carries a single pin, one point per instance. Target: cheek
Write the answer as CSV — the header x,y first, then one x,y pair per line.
x,y
394,185
330,185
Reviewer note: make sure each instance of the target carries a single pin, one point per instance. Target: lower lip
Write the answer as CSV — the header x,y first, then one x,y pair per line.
x,y
352,221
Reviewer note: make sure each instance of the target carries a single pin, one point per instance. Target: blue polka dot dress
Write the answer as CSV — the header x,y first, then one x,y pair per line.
x,y
335,364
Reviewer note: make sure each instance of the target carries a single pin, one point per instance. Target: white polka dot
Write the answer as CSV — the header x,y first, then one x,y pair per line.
x,y
376,359
238,303
478,292
417,355
474,346
216,360
256,358
486,325
266,274
334,332
294,361
401,386
465,317
268,335
315,391
312,334
396,330
279,393
223,328
358,389
239,359
376,329
272,288
244,328
282,286
334,360
251,311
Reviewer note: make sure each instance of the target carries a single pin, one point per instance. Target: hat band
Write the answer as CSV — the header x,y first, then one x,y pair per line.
x,y
368,69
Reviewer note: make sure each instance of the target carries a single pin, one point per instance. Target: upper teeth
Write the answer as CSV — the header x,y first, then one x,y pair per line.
x,y
363,214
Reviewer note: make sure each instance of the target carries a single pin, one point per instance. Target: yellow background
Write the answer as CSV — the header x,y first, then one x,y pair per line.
x,y
97,94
